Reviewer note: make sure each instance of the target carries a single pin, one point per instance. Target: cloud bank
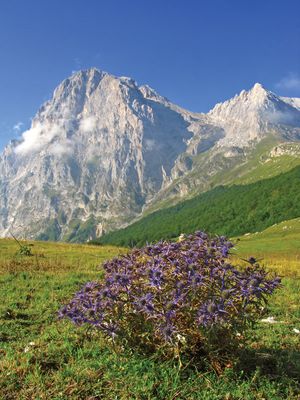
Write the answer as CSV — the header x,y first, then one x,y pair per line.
x,y
46,133
36,137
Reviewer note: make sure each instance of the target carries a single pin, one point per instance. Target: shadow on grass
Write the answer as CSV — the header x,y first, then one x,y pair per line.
x,y
249,365
272,363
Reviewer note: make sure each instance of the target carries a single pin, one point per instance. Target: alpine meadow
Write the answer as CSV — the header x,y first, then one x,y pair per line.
x,y
147,251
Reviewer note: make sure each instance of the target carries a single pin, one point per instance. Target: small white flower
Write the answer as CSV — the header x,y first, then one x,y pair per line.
x,y
181,338
181,237
269,320
296,330
27,348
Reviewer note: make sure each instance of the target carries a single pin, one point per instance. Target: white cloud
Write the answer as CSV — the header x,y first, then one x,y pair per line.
x,y
87,124
18,126
59,149
281,117
150,144
289,82
37,137
42,134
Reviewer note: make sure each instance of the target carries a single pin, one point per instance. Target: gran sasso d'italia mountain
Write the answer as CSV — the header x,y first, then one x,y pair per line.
x,y
103,151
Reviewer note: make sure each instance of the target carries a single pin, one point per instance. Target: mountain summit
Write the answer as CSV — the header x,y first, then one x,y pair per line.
x,y
102,149
253,114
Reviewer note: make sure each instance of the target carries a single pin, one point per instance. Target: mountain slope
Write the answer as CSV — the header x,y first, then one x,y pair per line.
x,y
103,151
251,121
99,148
227,211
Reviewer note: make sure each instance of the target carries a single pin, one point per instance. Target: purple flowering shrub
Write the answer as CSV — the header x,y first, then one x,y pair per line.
x,y
174,296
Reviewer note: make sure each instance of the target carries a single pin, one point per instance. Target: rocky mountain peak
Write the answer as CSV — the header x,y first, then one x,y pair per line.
x,y
99,148
252,114
103,148
87,102
149,93
258,89
252,99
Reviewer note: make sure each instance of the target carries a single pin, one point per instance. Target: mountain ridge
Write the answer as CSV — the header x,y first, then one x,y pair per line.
x,y
104,149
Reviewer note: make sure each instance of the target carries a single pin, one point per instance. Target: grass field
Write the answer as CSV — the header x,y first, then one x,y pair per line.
x,y
278,246
43,358
54,256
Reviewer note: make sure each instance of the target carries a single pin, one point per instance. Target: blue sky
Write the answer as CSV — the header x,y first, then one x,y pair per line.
x,y
196,53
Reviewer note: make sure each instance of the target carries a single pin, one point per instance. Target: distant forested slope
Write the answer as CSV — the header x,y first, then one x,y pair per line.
x,y
224,210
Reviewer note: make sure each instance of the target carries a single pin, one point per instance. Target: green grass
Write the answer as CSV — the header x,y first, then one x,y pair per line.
x,y
278,246
43,358
53,256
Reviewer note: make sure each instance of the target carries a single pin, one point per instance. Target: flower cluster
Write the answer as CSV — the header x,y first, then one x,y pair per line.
x,y
173,293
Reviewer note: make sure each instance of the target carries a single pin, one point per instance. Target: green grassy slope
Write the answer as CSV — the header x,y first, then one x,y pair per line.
x,y
44,358
278,246
258,164
231,211
277,239
262,166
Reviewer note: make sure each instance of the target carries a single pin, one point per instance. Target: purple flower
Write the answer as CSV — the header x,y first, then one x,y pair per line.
x,y
211,313
155,277
172,288
167,332
111,329
145,303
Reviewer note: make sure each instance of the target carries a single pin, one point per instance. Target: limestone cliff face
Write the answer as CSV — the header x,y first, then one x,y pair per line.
x,y
103,148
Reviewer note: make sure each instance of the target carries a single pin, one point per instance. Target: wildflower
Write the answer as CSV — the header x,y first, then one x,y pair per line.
x,y
167,331
156,277
174,292
270,320
110,329
211,313
181,338
145,303
181,237
29,346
